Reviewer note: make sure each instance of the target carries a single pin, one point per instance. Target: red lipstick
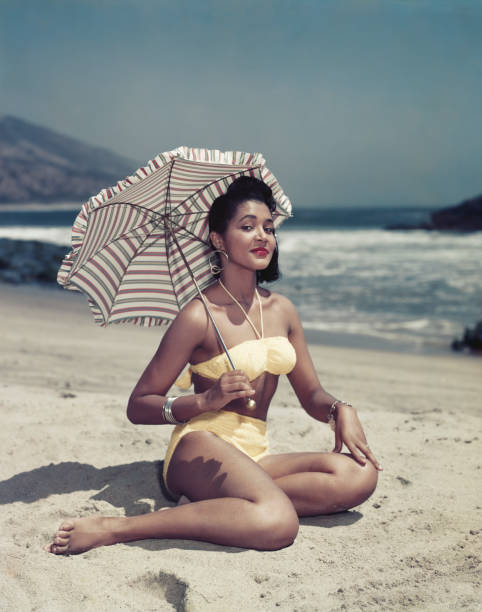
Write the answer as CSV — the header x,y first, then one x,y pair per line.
x,y
260,251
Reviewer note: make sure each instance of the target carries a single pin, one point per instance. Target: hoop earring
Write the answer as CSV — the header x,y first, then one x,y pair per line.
x,y
215,267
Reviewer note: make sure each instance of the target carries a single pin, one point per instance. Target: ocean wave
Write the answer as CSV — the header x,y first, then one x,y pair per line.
x,y
416,330
55,235
306,240
412,286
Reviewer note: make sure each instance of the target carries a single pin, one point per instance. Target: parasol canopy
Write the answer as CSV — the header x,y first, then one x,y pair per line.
x,y
140,249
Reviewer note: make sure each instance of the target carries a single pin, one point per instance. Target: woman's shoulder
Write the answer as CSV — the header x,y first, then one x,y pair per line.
x,y
191,321
277,300
280,308
193,312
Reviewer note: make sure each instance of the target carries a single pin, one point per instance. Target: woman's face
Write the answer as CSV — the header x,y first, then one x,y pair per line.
x,y
249,238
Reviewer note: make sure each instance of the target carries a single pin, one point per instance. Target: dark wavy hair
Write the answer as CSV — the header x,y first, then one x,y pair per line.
x,y
225,206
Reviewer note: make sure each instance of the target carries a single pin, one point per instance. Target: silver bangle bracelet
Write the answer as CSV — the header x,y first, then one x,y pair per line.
x,y
167,412
331,412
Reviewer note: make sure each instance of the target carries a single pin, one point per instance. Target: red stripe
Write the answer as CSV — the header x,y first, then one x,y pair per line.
x,y
143,290
191,261
116,257
131,244
128,220
154,253
217,185
144,309
204,226
94,289
204,200
113,219
181,289
96,235
105,273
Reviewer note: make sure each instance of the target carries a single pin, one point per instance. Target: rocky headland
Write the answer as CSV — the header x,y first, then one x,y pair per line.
x,y
464,217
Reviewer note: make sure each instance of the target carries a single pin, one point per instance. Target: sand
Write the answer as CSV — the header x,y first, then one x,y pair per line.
x,y
68,450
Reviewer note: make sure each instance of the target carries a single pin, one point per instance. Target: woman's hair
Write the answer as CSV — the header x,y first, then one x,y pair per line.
x,y
225,206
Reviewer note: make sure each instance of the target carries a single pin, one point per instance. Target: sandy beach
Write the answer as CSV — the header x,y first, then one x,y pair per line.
x,y
68,450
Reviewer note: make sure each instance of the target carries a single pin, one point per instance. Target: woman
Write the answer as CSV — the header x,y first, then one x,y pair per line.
x,y
239,494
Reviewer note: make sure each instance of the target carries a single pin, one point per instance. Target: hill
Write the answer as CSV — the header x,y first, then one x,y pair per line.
x,y
40,165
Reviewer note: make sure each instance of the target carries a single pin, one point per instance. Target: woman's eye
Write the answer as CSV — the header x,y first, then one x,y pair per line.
x,y
269,230
247,227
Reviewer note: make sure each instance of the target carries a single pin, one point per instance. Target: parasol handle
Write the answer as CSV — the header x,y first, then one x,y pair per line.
x,y
204,301
218,333
250,403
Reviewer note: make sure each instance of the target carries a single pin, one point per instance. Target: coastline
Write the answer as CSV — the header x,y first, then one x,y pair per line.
x,y
385,291
70,451
313,337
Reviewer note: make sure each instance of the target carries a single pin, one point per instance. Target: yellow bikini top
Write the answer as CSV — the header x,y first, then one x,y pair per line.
x,y
275,355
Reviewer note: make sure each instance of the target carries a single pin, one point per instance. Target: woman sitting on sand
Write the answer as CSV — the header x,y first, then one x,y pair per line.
x,y
218,460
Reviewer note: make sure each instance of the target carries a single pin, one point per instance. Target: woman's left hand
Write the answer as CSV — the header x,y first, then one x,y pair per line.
x,y
348,431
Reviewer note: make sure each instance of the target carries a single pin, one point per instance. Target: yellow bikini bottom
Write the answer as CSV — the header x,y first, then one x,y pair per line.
x,y
245,433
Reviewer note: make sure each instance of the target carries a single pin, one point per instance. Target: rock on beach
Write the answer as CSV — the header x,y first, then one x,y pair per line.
x,y
30,261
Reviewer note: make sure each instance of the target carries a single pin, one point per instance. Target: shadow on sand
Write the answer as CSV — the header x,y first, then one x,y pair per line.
x,y
133,487
128,486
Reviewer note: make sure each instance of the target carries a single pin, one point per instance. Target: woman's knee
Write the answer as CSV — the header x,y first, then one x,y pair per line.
x,y
368,478
362,479
275,525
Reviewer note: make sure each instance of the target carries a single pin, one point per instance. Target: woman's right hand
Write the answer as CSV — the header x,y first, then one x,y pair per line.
x,y
229,386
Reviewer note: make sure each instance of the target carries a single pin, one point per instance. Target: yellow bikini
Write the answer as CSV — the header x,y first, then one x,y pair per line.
x,y
275,355
245,433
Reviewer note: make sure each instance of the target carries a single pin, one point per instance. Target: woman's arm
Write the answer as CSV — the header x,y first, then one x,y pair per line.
x,y
185,333
303,378
148,396
318,403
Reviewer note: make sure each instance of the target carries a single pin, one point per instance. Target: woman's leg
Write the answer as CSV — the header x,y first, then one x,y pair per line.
x,y
235,503
321,483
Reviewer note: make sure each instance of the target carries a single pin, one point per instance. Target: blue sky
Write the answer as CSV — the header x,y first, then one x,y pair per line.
x,y
352,102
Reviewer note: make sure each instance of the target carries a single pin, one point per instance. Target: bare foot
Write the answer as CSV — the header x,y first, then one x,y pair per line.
x,y
79,535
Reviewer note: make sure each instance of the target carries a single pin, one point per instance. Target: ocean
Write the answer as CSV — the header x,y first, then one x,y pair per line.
x,y
353,282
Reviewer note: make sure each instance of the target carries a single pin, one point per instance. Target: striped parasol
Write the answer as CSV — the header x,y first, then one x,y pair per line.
x,y
140,249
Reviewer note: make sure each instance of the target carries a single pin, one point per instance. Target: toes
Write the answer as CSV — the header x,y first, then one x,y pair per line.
x,y
66,526
57,549
61,550
59,545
